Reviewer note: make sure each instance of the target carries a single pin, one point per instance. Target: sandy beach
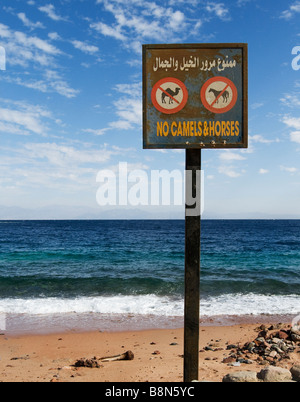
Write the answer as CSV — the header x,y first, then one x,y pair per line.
x,y
158,355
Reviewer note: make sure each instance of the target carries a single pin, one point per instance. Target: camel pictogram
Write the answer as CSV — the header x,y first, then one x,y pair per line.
x,y
170,92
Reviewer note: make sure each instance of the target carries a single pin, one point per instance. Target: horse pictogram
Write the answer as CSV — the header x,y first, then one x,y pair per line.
x,y
216,93
219,95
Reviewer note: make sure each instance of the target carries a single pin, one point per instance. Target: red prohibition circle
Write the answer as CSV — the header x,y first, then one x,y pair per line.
x,y
228,83
158,87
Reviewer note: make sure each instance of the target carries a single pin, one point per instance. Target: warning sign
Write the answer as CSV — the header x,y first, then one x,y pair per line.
x,y
169,95
219,95
195,96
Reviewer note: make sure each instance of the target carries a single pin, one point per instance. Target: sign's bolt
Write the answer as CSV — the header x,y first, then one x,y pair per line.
x,y
187,143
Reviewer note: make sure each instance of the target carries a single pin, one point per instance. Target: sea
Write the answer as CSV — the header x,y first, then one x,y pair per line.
x,y
112,275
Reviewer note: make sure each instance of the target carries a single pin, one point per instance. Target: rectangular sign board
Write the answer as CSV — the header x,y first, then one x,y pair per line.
x,y
195,96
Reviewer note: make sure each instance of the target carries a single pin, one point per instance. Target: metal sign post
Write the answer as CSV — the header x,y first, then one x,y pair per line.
x,y
195,97
192,268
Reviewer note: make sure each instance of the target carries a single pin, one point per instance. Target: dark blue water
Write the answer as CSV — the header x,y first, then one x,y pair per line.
x,y
97,263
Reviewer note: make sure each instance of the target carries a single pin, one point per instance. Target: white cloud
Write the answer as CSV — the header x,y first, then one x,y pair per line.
x,y
59,85
12,128
289,169
262,140
134,90
228,157
293,122
51,165
257,105
23,118
34,42
130,113
219,10
39,85
229,171
54,36
22,49
106,30
30,51
291,100
241,3
49,10
176,20
291,11
84,47
51,81
28,23
21,122
295,136
138,21
263,171
101,131
129,109
63,155
231,156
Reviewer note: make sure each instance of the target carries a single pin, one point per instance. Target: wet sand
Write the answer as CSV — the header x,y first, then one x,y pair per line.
x,y
158,355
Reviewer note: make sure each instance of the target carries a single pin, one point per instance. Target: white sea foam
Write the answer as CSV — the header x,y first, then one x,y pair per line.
x,y
230,304
148,304
244,304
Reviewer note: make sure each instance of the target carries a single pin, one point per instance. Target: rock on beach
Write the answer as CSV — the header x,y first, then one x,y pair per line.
x,y
241,376
295,370
275,374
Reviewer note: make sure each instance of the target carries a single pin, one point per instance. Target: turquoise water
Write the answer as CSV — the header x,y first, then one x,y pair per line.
x,y
137,267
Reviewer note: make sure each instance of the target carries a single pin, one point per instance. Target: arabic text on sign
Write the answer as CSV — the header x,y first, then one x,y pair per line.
x,y
187,63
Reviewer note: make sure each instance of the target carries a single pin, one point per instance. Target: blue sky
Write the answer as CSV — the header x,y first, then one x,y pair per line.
x,y
71,104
